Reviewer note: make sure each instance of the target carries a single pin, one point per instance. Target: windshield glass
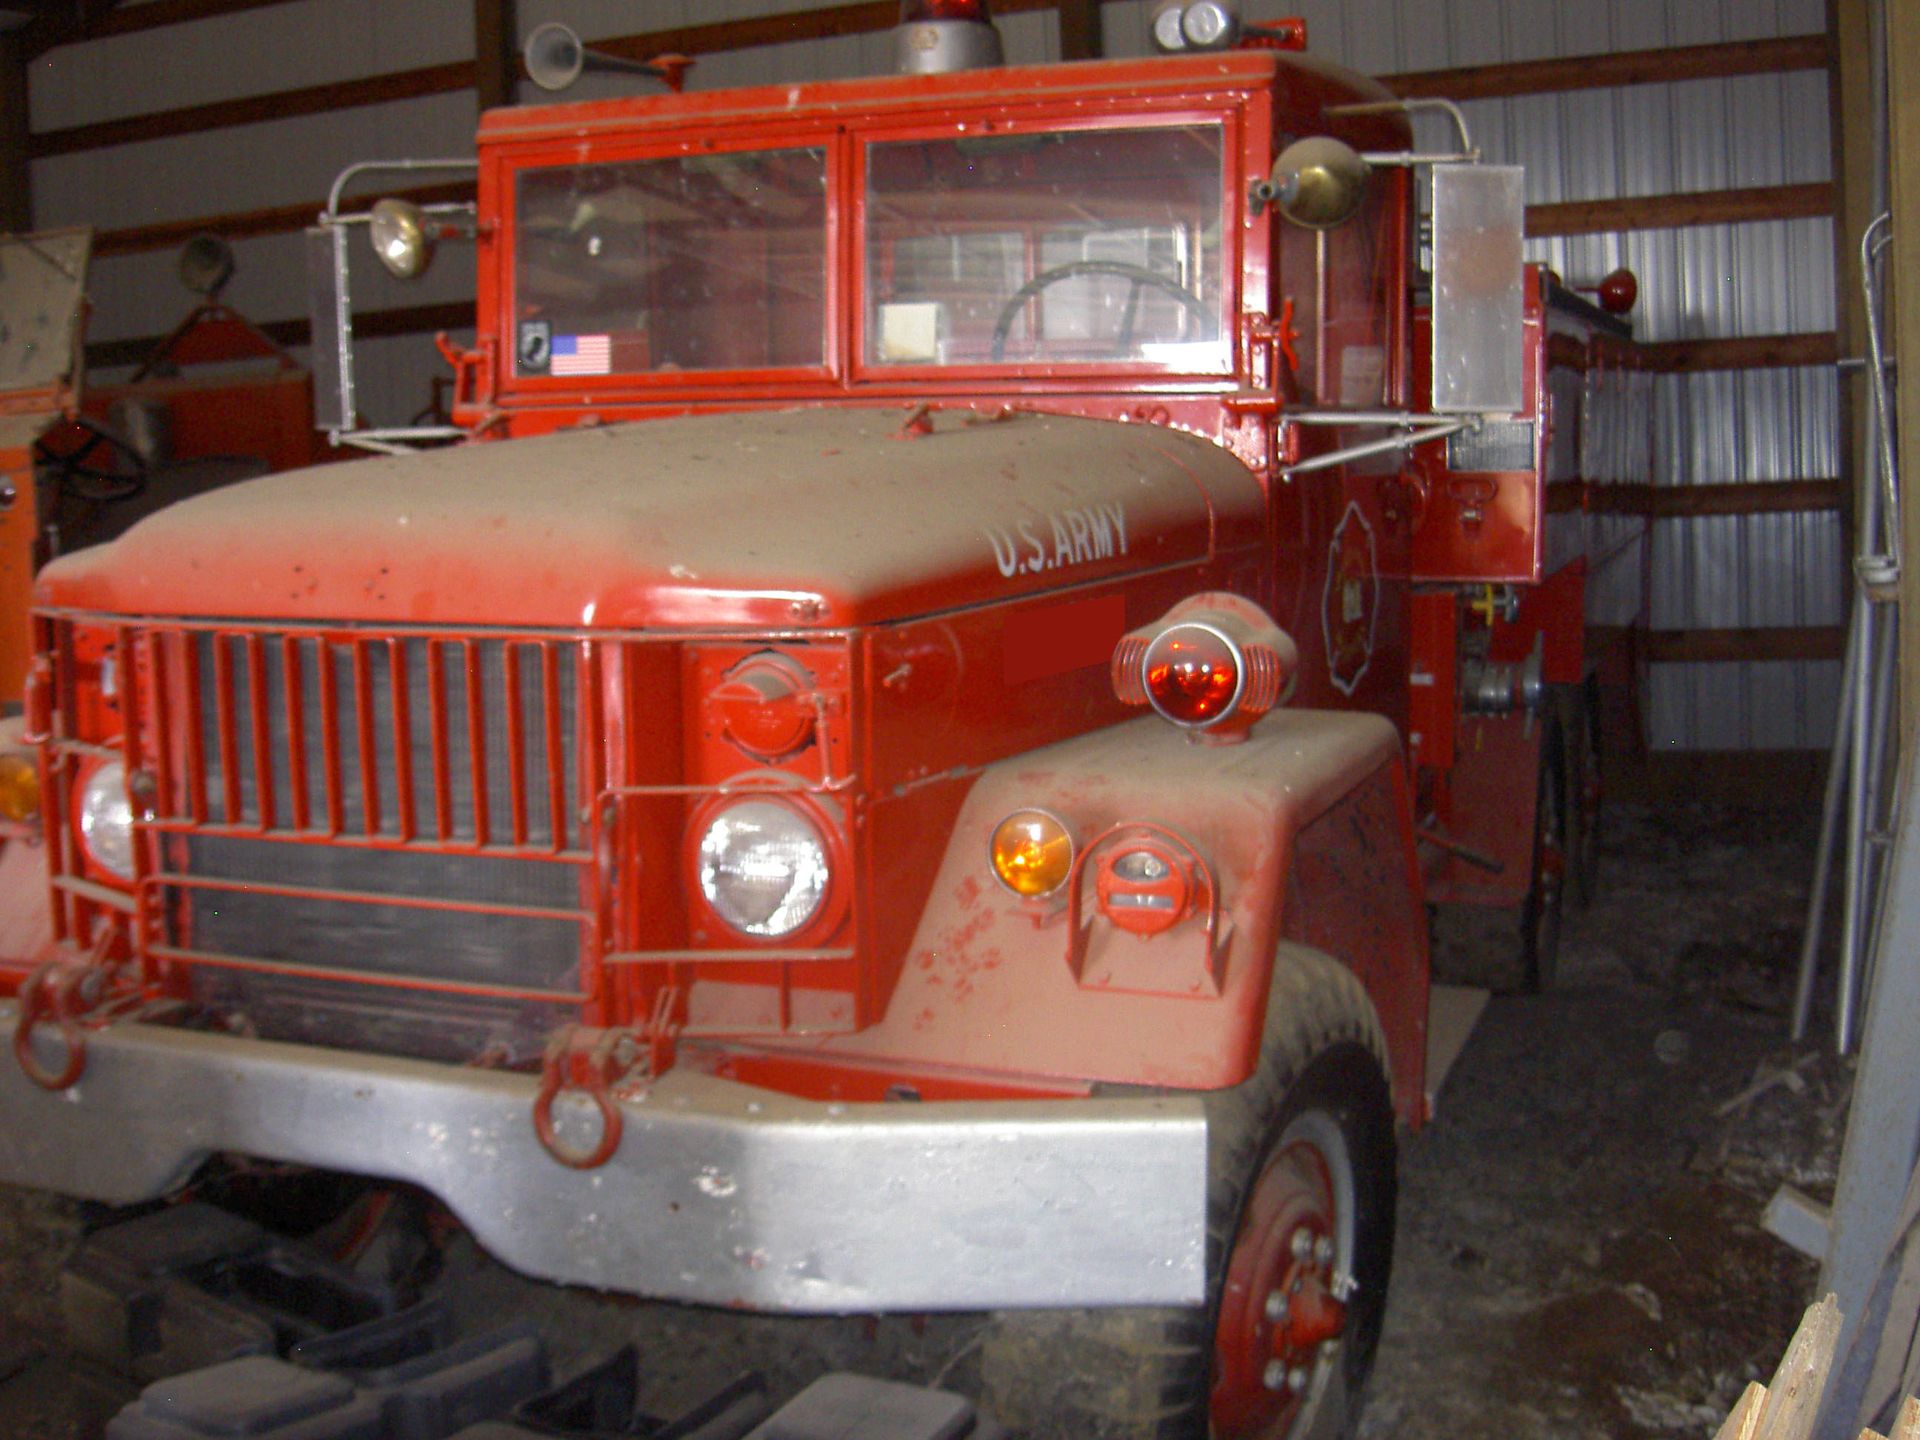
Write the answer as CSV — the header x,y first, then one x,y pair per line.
x,y
693,262
1090,246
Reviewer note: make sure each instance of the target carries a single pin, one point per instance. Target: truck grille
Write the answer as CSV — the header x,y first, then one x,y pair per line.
x,y
376,841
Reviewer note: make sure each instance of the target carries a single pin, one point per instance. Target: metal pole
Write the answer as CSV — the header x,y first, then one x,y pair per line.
x,y
1830,821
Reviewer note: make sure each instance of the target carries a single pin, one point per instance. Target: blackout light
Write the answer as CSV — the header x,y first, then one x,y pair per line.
x,y
938,36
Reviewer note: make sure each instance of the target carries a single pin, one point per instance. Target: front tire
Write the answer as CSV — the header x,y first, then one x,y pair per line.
x,y
1304,1146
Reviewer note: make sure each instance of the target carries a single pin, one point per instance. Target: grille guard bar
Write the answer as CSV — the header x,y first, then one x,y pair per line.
x,y
719,1193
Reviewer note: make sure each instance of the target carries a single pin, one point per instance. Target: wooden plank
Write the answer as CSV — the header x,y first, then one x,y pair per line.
x,y
1775,497
1749,352
247,224
60,25
1079,29
1744,1419
1784,642
1452,1012
1739,497
130,19
251,109
1627,67
368,324
1793,1397
496,52
1672,212
16,175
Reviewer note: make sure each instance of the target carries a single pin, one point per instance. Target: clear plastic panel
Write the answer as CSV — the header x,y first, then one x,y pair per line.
x,y
1479,212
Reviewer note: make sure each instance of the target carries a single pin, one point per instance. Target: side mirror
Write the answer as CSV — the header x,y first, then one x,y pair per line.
x,y
398,229
1317,183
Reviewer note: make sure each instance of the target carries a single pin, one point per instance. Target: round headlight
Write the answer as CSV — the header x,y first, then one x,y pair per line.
x,y
764,867
106,819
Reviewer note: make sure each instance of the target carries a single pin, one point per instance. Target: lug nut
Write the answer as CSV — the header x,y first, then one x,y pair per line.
x,y
1297,1379
1274,1377
1322,1250
1302,1243
1277,1307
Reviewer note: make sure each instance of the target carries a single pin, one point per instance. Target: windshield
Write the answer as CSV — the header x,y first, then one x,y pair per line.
x,y
693,262
1090,246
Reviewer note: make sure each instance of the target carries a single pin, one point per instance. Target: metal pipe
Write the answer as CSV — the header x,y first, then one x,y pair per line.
x,y
1873,243
363,167
1852,917
1831,818
1353,417
1407,107
1375,447
1419,157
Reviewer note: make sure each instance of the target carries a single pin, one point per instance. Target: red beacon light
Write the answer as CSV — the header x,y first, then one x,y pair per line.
x,y
1212,665
936,36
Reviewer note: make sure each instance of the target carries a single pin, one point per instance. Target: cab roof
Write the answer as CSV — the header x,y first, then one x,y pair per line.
x,y
1116,81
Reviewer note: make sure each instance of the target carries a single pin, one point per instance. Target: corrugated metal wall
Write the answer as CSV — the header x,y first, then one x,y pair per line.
x,y
1748,279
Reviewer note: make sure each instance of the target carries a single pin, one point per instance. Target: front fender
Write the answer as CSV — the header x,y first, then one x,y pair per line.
x,y
992,982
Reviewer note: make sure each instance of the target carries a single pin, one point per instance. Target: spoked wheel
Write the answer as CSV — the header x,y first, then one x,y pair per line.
x,y
1300,1205
1541,913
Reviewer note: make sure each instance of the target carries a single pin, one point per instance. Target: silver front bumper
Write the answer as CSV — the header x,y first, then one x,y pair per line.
x,y
720,1193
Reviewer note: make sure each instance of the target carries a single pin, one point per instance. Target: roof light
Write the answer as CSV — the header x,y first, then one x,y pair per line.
x,y
936,36
1212,665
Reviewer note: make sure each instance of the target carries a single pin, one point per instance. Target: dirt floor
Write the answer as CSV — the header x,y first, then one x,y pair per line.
x,y
1578,1253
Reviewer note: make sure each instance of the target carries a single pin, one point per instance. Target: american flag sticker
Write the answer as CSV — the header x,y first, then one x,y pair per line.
x,y
581,355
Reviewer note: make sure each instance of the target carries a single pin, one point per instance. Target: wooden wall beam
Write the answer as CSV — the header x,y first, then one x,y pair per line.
x,y
132,19
1685,647
249,224
1785,642
1626,67
16,175
1079,29
251,109
1673,212
1746,352
496,52
1738,497
453,316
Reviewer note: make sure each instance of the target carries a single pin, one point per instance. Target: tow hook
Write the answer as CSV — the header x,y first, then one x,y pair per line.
x,y
592,1061
63,993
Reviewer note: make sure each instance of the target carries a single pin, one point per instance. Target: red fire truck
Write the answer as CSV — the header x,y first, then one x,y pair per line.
x,y
903,767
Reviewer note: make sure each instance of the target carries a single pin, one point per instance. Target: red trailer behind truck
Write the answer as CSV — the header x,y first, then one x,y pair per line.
x,y
904,766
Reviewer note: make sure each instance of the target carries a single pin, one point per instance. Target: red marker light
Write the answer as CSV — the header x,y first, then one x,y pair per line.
x,y
913,12
1193,674
1619,291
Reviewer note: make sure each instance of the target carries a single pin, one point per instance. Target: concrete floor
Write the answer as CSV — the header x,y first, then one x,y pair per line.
x,y
1578,1250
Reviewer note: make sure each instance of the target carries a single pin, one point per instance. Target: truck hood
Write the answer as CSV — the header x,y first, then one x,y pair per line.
x,y
810,517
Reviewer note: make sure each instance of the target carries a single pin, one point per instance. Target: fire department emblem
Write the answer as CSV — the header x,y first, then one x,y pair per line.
x,y
1352,600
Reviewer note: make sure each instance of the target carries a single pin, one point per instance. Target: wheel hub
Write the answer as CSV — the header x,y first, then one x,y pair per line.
x,y
1282,1307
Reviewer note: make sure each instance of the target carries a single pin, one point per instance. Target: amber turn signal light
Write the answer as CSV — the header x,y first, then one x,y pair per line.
x,y
19,788
1032,853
